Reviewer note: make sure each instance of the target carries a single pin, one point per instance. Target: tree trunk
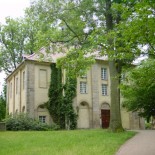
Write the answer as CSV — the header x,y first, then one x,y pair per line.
x,y
115,115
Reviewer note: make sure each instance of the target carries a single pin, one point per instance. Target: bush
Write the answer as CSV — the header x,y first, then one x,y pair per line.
x,y
148,125
22,122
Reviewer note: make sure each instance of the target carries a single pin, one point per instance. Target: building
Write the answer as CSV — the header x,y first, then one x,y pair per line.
x,y
27,88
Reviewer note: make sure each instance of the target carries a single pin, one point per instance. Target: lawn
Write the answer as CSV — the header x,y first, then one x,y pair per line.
x,y
78,142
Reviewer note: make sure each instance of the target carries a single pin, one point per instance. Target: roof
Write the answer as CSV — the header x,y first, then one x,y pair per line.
x,y
49,57
42,55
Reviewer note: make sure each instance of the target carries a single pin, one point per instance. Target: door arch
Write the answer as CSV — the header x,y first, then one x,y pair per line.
x,y
105,115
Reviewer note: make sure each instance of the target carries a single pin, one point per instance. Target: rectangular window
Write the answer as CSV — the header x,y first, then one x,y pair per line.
x,y
43,78
24,80
104,89
83,87
10,90
16,85
42,119
104,75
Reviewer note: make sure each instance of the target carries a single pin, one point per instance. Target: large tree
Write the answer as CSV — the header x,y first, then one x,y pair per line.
x,y
138,89
80,25
136,28
17,37
86,26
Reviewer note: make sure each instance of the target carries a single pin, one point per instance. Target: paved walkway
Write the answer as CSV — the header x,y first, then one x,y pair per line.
x,y
141,144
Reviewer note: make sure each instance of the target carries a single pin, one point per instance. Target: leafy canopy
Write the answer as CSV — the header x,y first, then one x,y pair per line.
x,y
138,89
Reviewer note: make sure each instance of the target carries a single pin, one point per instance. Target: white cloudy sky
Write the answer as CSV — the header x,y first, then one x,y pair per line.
x,y
14,9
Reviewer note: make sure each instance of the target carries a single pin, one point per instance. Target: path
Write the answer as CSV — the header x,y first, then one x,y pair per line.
x,y
141,144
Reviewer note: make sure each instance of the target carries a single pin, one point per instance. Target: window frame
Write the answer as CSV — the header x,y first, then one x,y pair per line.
x,y
83,87
44,86
104,73
42,118
104,89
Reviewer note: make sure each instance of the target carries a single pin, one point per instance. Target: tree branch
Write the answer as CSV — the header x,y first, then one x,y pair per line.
x,y
72,30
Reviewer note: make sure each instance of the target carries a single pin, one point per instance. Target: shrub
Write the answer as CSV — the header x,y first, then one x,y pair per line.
x,y
148,125
22,122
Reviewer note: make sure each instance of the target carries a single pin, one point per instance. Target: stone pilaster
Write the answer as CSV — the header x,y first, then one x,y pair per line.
x,y
30,77
95,97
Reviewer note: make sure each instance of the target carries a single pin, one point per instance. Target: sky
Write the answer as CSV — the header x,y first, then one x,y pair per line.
x,y
13,9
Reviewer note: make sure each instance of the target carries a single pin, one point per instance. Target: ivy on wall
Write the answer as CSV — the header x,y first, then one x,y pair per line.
x,y
61,99
69,94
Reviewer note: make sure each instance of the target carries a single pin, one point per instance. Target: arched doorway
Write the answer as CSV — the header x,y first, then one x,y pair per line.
x,y
83,120
105,115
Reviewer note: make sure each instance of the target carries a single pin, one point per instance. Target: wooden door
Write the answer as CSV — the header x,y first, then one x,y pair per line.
x,y
105,118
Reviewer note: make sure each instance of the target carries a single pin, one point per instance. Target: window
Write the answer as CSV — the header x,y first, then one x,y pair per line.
x,y
24,80
16,85
83,87
104,75
42,119
43,78
10,90
104,89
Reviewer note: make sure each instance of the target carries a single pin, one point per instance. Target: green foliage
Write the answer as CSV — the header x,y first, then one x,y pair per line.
x,y
2,107
136,29
22,122
138,89
76,63
3,103
148,126
17,37
59,106
69,95
55,97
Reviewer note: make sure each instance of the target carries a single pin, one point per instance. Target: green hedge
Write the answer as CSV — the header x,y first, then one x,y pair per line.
x,y
22,122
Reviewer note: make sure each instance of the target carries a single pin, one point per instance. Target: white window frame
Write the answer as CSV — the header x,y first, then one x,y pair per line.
x,y
104,73
83,87
42,119
104,89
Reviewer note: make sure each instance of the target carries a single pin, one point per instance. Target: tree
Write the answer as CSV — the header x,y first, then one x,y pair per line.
x,y
82,37
86,26
17,37
138,89
3,103
12,40
136,29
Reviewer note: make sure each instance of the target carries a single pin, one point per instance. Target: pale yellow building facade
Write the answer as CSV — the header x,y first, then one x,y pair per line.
x,y
27,88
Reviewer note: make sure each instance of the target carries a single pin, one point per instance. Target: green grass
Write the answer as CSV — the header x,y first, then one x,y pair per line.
x,y
78,142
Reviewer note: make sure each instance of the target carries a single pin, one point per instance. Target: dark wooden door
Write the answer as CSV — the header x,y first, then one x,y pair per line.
x,y
105,118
